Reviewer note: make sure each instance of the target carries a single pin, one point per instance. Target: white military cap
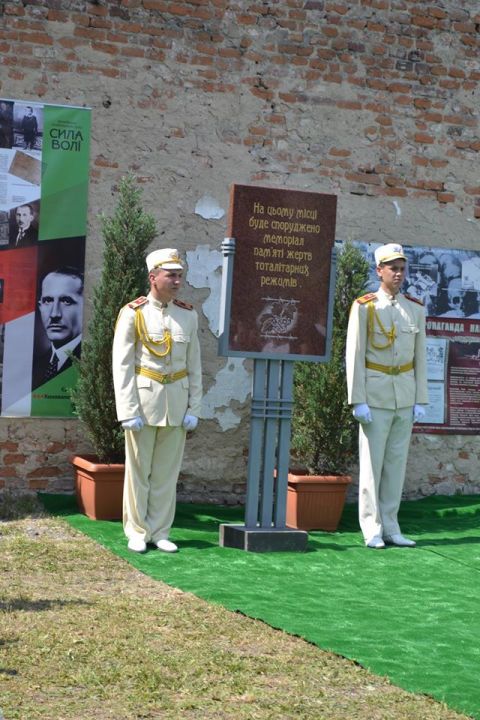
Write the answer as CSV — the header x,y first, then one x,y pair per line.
x,y
166,258
389,252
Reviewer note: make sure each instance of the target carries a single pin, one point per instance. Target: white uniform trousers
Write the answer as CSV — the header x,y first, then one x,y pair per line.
x,y
153,457
383,452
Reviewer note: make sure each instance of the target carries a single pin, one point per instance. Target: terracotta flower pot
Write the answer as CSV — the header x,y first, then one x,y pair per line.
x,y
98,487
315,502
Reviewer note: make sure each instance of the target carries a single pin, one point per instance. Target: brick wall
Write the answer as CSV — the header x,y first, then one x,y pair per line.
x,y
374,100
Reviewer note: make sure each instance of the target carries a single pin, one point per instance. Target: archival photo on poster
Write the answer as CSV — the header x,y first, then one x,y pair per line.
x,y
44,164
447,281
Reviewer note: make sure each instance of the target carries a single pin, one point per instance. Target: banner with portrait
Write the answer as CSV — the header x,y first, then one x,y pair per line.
x,y
447,280
44,167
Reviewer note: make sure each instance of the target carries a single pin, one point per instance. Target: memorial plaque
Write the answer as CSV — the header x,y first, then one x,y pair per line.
x,y
281,293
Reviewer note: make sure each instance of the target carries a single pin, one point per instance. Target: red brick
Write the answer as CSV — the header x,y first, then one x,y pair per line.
x,y
44,472
288,97
393,181
395,192
376,84
27,62
155,5
403,100
255,130
105,48
444,83
246,19
132,51
375,27
96,70
229,52
422,103
438,70
14,459
461,144
8,472
94,9
433,185
57,16
424,138
38,484
457,73
337,8
368,178
465,27
36,38
446,197
349,104
426,22
10,9
339,152
116,38
398,87
420,161
9,445
459,120
100,23
432,117
276,119
89,33
262,93
383,120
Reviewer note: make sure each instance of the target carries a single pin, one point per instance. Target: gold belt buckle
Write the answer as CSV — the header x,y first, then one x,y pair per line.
x,y
166,380
395,370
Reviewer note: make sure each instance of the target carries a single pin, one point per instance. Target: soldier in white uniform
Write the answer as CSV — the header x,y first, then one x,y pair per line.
x,y
387,386
158,389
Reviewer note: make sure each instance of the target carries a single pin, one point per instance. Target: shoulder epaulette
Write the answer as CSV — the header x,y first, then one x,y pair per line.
x,y
369,297
136,303
414,299
182,304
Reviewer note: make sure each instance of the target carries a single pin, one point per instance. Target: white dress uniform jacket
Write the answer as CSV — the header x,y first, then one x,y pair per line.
x,y
159,404
404,318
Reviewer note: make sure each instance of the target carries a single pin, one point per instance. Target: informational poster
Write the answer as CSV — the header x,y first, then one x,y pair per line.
x,y
44,166
282,288
448,283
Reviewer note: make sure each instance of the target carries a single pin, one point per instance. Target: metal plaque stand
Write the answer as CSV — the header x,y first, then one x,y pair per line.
x,y
270,417
267,482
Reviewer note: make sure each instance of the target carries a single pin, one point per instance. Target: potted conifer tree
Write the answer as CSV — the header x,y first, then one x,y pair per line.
x,y
324,433
127,235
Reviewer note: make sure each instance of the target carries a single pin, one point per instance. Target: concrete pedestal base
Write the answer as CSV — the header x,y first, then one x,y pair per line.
x,y
263,539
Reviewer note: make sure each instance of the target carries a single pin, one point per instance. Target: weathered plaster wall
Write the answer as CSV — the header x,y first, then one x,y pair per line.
x,y
374,100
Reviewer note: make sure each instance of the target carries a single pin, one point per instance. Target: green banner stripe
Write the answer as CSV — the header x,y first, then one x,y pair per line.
x,y
65,167
53,398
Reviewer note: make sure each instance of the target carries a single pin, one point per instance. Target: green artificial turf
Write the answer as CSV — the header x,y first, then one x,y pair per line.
x,y
409,614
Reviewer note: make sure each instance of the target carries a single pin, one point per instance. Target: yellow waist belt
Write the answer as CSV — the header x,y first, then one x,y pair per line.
x,y
164,378
389,369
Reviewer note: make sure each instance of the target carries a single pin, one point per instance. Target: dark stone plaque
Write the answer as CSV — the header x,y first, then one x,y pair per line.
x,y
281,291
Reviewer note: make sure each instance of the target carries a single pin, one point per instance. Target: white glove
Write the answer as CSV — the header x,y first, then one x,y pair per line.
x,y
361,412
418,413
134,424
190,422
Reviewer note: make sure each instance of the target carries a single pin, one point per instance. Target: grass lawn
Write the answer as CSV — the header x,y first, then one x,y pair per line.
x,y
84,635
